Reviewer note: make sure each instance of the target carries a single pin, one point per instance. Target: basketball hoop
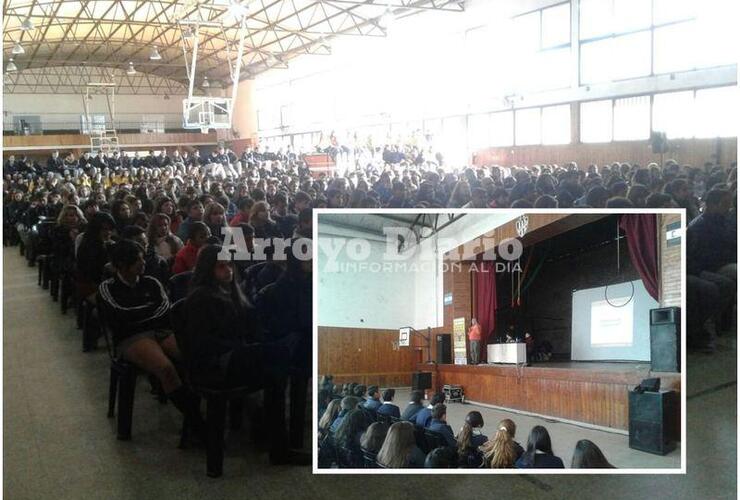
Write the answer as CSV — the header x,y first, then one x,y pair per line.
x,y
203,130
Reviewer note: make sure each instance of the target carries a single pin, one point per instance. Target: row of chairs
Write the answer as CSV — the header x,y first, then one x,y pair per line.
x,y
124,375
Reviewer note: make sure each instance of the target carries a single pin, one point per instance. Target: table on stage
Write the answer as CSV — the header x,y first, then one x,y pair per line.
x,y
513,353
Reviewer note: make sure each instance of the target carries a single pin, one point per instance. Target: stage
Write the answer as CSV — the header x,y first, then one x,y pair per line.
x,y
587,392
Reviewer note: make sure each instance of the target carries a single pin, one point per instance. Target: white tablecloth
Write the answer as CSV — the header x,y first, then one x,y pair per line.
x,y
507,353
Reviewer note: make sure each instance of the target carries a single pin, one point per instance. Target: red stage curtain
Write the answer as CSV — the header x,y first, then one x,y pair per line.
x,y
485,302
642,236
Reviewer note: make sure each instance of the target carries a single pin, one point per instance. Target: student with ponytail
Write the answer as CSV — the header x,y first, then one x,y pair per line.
x,y
469,439
502,451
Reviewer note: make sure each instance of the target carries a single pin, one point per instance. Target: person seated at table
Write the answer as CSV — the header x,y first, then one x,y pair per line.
x,y
424,417
373,401
588,456
439,424
137,311
399,449
539,453
502,451
529,341
388,408
414,406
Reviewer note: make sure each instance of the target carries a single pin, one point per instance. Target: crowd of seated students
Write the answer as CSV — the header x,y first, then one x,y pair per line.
x,y
243,327
75,210
353,434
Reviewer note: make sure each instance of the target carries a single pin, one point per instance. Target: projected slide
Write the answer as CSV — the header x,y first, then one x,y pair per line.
x,y
612,326
608,326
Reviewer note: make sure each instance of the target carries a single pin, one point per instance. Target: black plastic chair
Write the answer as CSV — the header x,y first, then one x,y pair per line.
x,y
216,399
123,376
421,440
179,284
434,440
370,459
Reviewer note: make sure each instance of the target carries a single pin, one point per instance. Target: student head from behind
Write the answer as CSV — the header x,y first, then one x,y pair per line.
x,y
349,403
210,271
349,430
437,398
389,394
417,397
373,392
588,456
374,437
398,446
359,390
441,458
501,451
718,201
439,412
473,423
539,451
331,412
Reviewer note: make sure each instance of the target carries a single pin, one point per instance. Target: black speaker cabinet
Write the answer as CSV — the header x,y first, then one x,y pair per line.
x,y
421,381
652,421
665,339
444,349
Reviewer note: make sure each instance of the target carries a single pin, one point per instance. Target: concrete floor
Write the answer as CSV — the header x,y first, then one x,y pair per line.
x,y
563,436
59,444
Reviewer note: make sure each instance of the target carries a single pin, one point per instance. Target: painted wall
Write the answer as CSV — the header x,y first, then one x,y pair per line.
x,y
63,111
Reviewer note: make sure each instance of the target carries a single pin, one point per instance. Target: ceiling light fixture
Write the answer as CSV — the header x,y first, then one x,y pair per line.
x,y
18,49
237,9
188,34
205,83
131,70
27,24
154,56
387,19
11,67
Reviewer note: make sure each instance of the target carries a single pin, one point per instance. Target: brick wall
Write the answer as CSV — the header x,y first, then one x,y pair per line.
x,y
670,264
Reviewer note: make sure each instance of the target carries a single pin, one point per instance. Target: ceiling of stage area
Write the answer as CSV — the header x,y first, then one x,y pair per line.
x,y
111,33
423,224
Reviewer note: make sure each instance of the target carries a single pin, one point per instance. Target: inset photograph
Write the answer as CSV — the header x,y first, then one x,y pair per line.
x,y
481,341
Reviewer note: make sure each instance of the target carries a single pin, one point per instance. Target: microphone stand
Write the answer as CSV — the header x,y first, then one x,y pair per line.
x,y
428,338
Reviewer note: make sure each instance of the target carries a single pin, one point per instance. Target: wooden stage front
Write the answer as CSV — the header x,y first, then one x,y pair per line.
x,y
588,392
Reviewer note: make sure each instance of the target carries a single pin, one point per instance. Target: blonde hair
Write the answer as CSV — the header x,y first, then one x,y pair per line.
x,y
398,445
332,410
78,211
500,452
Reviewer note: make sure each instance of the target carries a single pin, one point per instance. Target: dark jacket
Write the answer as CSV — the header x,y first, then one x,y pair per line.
x,y
134,309
215,326
541,461
411,411
424,417
389,409
286,311
444,430
710,244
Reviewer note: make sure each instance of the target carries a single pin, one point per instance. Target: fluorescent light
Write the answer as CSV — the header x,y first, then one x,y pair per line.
x,y
154,56
18,49
27,24
205,83
11,67
387,19
237,9
131,70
